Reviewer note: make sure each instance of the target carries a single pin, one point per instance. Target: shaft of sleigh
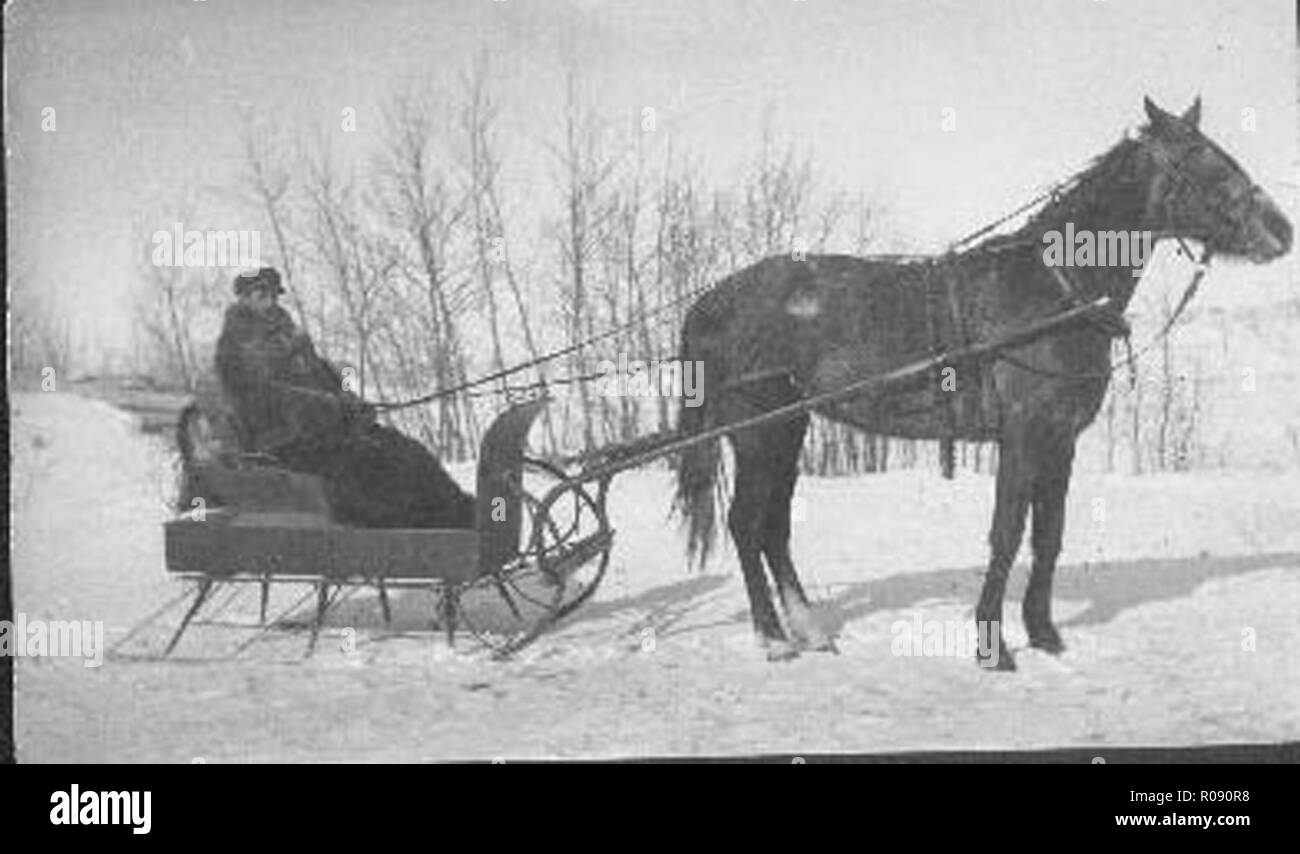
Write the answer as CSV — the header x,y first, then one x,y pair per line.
x,y
672,443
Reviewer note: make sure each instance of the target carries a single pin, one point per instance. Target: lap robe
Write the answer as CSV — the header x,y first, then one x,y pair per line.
x,y
380,478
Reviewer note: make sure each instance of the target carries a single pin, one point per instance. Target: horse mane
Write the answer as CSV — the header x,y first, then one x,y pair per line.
x,y
1101,179
1102,176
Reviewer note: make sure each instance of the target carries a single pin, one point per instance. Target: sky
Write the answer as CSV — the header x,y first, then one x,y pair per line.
x,y
151,98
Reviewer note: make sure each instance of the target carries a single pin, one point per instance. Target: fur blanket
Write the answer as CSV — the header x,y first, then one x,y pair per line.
x,y
283,399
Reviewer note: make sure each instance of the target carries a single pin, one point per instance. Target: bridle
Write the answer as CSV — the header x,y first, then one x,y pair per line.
x,y
1187,188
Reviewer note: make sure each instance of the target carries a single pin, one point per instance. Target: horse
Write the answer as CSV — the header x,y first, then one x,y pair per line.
x,y
790,327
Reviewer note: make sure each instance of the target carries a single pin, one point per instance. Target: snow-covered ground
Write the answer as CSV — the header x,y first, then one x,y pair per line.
x,y
1178,597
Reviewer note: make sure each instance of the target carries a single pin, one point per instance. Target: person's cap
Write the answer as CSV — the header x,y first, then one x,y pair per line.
x,y
265,279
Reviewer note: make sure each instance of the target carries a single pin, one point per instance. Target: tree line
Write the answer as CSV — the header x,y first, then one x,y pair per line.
x,y
419,267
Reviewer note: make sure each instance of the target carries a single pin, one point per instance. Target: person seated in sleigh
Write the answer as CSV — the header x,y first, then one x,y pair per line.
x,y
281,390
289,403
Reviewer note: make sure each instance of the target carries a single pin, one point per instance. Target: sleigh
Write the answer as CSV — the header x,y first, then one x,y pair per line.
x,y
527,563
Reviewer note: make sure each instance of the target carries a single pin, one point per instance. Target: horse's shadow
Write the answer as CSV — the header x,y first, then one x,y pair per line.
x,y
416,610
658,607
1109,588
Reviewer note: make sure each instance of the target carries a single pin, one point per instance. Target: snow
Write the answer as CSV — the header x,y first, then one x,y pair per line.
x,y
1177,598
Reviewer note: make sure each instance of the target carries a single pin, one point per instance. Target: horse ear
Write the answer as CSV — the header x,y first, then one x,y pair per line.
x,y
1193,115
1157,116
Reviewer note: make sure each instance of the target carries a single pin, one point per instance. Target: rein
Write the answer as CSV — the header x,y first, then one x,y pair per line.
x,y
389,406
1202,266
1173,169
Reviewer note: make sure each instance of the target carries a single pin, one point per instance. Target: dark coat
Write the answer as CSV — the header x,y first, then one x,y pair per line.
x,y
290,401
280,389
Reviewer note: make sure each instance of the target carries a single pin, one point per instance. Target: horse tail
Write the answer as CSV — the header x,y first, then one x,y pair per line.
x,y
697,470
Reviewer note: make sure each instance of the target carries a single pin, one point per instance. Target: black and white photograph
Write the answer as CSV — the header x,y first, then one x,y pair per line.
x,y
506,381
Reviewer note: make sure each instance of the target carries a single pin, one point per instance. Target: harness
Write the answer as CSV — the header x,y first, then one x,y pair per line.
x,y
939,301
1118,326
1110,323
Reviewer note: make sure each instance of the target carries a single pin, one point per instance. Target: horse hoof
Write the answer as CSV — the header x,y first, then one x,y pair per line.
x,y
821,644
809,637
1049,642
1003,661
781,650
807,632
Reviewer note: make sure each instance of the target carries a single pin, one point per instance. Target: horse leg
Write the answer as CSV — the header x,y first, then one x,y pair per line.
x,y
746,519
1014,488
1048,524
787,440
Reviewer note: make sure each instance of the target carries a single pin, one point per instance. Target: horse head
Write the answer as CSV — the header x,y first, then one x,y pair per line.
x,y
1197,190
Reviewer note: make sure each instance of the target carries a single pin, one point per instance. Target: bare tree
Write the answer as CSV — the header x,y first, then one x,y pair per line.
x,y
420,206
171,300
333,237
477,115
586,172
40,335
269,180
